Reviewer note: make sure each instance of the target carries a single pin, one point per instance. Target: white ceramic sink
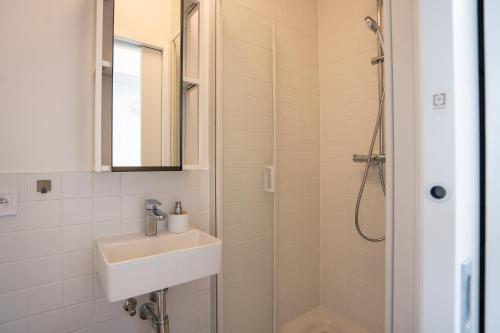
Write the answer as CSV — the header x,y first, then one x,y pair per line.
x,y
133,264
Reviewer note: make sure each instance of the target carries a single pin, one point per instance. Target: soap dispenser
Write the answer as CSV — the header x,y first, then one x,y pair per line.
x,y
178,220
178,208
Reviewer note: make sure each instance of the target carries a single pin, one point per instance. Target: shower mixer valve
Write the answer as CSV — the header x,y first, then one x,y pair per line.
x,y
376,159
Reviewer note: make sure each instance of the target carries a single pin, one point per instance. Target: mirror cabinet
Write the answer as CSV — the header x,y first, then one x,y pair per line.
x,y
151,85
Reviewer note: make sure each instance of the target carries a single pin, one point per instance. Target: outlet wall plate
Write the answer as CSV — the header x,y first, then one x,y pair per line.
x,y
8,201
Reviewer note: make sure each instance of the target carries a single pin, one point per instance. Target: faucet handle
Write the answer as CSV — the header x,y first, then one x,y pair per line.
x,y
152,204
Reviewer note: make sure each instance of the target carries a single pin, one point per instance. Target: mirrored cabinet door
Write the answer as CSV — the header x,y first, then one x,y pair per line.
x,y
152,85
146,110
141,109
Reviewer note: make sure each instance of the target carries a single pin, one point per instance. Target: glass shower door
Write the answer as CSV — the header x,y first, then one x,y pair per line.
x,y
246,148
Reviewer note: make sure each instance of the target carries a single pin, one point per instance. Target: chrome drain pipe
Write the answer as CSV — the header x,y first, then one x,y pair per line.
x,y
158,318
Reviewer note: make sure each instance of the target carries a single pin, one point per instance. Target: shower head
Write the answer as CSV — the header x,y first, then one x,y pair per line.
x,y
375,28
372,24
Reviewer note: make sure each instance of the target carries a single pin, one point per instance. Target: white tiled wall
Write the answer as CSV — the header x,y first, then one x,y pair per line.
x,y
47,274
352,269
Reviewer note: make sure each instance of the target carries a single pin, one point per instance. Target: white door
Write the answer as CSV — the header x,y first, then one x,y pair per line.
x,y
448,167
492,175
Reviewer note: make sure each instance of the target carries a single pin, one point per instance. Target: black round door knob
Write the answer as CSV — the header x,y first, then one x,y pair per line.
x,y
438,192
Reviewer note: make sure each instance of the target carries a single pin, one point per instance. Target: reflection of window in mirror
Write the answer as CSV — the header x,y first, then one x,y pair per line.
x,y
127,104
146,84
137,105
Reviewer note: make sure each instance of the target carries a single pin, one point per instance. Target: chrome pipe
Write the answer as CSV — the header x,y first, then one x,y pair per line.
x,y
161,302
159,318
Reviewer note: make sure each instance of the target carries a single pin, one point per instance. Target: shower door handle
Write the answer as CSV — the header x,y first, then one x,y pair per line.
x,y
466,297
269,178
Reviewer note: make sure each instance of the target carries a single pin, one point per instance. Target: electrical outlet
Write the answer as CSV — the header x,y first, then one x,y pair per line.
x,y
8,202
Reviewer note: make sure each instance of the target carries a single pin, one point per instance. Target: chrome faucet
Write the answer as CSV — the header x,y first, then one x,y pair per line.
x,y
153,216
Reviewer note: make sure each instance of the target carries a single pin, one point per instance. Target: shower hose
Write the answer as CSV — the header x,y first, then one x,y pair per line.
x,y
367,169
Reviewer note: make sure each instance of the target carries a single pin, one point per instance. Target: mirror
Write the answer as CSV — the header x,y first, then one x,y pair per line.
x,y
147,85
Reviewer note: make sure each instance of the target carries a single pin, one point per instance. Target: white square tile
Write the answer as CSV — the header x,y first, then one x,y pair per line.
x,y
77,211
44,270
131,325
12,246
98,291
162,182
77,237
110,326
200,220
31,193
106,229
179,300
191,179
132,226
106,184
106,209
181,324
200,301
14,222
44,298
12,306
77,264
76,185
202,178
132,207
104,310
12,276
133,183
77,290
44,242
18,326
13,180
199,285
43,214
48,322
77,316
200,321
